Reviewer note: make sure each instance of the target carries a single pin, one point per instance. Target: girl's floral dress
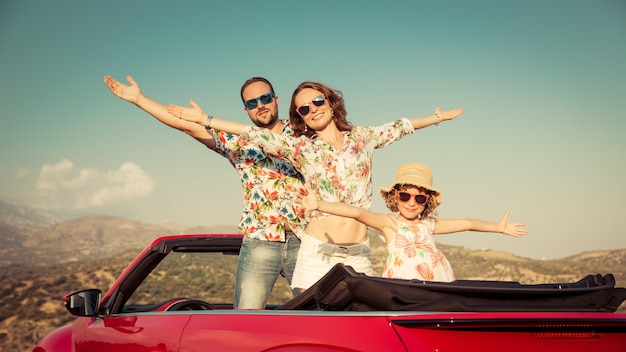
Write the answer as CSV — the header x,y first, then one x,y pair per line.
x,y
414,255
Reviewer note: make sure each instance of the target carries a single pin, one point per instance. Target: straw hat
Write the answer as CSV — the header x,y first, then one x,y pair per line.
x,y
415,175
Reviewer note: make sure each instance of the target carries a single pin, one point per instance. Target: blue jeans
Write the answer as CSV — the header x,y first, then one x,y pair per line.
x,y
260,264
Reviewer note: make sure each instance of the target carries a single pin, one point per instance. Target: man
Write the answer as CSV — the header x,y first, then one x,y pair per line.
x,y
269,217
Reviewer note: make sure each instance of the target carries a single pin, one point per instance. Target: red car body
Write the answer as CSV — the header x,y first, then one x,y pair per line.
x,y
186,325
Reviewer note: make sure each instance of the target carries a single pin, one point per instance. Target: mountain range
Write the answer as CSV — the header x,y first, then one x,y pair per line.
x,y
42,258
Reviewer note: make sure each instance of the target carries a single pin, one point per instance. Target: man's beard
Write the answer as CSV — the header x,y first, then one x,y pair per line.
x,y
262,122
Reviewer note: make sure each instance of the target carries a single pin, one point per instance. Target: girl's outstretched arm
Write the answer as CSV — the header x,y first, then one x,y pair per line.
x,y
443,226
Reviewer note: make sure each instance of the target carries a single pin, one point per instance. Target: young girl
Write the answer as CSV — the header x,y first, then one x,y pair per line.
x,y
409,235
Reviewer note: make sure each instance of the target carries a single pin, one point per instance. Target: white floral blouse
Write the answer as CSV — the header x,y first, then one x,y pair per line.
x,y
335,175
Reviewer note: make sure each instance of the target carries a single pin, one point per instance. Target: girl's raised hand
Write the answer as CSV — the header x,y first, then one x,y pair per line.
x,y
512,229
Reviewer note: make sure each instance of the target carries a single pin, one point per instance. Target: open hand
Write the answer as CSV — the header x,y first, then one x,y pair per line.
x,y
192,114
447,115
129,93
307,199
512,228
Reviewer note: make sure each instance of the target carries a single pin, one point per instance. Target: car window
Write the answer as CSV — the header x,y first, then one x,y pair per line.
x,y
208,277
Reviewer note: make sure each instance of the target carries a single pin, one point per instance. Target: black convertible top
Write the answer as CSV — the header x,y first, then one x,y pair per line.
x,y
343,289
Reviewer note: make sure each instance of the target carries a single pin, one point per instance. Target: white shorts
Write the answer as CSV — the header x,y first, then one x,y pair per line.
x,y
316,258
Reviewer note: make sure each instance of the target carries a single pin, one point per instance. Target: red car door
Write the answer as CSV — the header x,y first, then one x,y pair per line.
x,y
253,331
153,332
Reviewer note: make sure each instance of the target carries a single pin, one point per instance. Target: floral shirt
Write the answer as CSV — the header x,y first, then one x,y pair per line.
x,y
269,185
335,175
414,255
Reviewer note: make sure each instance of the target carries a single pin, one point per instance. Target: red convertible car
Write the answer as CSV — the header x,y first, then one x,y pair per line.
x,y
168,299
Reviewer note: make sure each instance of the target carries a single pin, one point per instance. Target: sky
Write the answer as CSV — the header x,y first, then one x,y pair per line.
x,y
542,84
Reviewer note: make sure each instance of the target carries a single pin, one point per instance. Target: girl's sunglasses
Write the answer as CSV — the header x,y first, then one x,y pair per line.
x,y
265,99
305,109
420,199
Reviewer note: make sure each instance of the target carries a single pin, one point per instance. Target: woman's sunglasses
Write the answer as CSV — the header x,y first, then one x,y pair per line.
x,y
420,199
305,109
265,99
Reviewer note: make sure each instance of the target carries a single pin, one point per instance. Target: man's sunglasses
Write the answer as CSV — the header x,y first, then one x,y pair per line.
x,y
265,99
305,109
419,198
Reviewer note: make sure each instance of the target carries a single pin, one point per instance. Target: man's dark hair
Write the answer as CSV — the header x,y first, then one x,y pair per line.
x,y
255,79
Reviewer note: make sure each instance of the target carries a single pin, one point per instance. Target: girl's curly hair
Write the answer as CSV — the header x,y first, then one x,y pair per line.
x,y
391,200
335,100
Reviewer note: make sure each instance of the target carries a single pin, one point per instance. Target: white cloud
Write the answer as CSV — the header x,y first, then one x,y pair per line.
x,y
52,177
63,186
